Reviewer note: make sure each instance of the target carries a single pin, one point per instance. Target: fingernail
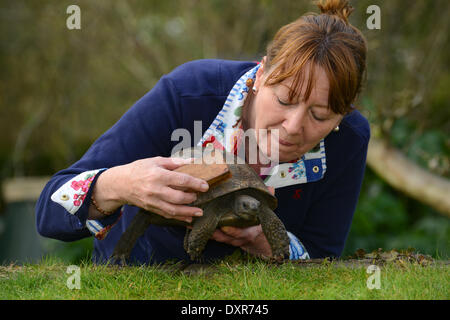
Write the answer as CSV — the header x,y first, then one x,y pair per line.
x,y
198,214
205,186
225,229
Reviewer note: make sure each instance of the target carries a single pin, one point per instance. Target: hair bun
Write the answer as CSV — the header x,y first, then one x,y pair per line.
x,y
340,8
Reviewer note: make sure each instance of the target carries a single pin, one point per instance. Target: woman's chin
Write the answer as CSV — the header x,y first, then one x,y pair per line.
x,y
291,156
281,157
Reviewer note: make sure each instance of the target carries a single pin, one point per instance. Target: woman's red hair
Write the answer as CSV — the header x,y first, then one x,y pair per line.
x,y
326,40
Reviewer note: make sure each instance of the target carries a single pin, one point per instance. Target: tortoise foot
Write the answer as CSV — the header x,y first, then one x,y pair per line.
x,y
280,249
120,260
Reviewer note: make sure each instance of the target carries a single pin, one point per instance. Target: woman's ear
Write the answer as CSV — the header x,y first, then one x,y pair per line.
x,y
260,74
263,60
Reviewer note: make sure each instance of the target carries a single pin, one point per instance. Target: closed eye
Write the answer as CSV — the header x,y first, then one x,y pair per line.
x,y
317,118
312,113
283,103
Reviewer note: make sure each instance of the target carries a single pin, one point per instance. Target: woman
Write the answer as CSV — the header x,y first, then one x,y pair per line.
x,y
301,93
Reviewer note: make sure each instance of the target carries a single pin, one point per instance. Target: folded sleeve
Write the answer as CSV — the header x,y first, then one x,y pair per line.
x,y
142,132
297,250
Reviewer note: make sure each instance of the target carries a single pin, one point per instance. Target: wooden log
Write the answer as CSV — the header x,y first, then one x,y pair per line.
x,y
404,175
23,188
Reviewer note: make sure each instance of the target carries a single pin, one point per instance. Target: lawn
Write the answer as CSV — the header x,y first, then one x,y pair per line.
x,y
227,280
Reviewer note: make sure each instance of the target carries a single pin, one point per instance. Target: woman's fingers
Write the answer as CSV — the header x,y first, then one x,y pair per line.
x,y
185,181
220,236
173,211
177,197
171,163
250,239
249,233
237,236
153,185
164,214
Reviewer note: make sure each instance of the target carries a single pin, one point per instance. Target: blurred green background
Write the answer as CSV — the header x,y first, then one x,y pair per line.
x,y
60,89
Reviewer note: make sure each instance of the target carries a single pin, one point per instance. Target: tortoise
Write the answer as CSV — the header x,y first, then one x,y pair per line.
x,y
241,200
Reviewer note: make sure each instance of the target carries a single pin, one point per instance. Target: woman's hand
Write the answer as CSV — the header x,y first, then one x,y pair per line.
x,y
152,185
251,239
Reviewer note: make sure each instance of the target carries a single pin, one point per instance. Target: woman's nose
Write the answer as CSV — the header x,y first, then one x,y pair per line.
x,y
294,121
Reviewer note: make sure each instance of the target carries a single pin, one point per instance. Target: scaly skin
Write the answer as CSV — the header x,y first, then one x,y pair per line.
x,y
275,233
186,239
137,227
204,228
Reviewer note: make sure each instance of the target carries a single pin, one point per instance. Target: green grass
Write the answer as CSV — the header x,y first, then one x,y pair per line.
x,y
245,280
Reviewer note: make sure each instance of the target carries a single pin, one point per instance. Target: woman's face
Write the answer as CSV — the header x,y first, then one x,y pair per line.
x,y
300,125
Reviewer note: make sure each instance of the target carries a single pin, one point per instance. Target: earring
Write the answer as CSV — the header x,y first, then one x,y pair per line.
x,y
336,129
254,90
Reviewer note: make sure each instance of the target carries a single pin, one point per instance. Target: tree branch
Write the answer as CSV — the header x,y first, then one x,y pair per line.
x,y
403,174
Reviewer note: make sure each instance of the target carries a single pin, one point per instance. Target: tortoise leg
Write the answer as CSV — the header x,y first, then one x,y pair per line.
x,y
137,227
275,233
186,239
202,230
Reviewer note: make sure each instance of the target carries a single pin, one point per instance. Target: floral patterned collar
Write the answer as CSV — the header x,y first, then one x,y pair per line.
x,y
310,167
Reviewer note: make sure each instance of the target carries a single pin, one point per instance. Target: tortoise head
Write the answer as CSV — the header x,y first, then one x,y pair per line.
x,y
246,207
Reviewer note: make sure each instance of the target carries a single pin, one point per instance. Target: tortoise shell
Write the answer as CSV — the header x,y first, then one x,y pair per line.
x,y
242,177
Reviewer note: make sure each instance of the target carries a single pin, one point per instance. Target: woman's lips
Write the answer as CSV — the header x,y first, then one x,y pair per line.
x,y
285,143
